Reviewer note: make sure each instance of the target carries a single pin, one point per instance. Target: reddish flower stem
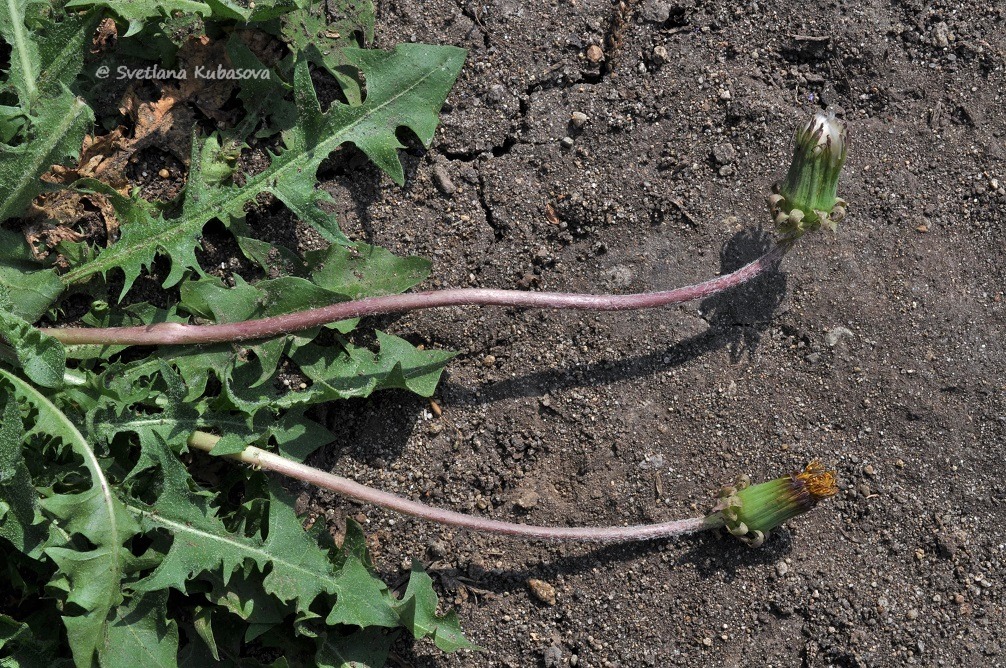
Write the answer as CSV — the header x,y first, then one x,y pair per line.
x,y
354,490
178,334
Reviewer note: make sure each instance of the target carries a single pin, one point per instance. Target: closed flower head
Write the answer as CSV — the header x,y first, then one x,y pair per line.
x,y
751,511
807,198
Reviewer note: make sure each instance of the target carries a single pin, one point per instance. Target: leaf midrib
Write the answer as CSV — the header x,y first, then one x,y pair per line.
x,y
251,550
228,198
195,423
80,445
21,44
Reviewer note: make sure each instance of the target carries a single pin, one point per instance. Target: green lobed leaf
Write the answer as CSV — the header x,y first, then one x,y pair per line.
x,y
300,554
29,290
137,12
202,621
211,300
25,63
308,30
132,403
363,648
296,436
341,371
358,371
263,98
12,122
61,47
418,611
19,507
405,88
141,634
94,573
244,597
43,64
55,134
273,259
229,444
298,570
11,439
365,271
248,12
363,600
41,357
26,644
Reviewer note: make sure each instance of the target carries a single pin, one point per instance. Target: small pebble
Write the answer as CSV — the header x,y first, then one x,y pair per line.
x,y
660,55
497,94
553,657
725,95
443,180
437,549
489,360
781,568
941,35
912,615
578,119
542,591
567,142
724,154
836,334
594,53
527,499
656,11
164,173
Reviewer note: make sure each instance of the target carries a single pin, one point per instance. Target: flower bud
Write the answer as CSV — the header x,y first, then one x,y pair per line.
x,y
751,511
807,199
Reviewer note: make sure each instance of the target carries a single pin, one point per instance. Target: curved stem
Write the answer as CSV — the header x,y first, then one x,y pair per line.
x,y
178,334
267,460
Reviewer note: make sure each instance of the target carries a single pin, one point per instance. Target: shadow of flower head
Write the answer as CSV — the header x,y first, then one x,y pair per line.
x,y
742,314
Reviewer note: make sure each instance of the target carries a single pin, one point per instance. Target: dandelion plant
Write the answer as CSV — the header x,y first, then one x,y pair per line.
x,y
119,542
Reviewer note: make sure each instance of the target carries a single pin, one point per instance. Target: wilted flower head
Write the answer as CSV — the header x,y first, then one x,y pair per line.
x,y
751,511
807,198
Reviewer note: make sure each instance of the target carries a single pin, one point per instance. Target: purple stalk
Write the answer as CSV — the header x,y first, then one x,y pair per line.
x,y
161,334
354,490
